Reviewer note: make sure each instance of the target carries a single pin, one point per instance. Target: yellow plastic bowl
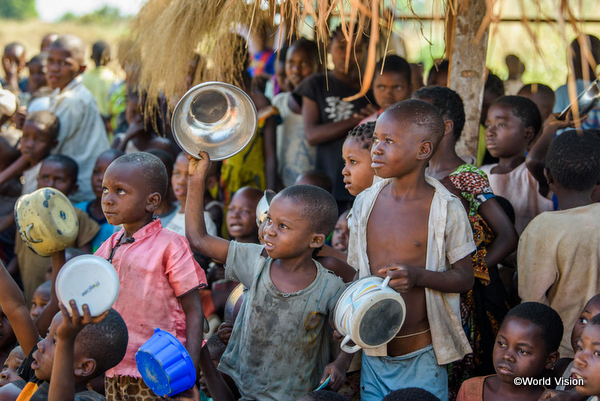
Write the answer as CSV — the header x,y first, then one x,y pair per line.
x,y
46,220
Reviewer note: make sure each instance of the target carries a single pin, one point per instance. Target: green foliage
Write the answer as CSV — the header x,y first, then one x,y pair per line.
x,y
17,9
104,16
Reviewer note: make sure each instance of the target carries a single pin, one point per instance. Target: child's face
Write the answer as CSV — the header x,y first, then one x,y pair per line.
x,y
287,234
591,309
505,135
15,56
98,173
7,336
55,175
341,233
11,365
338,55
298,65
390,88
43,357
520,350
40,299
37,75
62,67
179,178
125,200
241,216
586,364
358,173
36,142
395,148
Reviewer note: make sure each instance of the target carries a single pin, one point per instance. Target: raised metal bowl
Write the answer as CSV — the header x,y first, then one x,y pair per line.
x,y
215,117
586,101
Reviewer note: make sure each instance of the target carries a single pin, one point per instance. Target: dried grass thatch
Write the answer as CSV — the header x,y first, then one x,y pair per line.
x,y
166,34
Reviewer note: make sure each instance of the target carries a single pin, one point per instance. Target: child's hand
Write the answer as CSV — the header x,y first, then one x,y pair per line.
x,y
224,332
403,277
338,375
199,167
554,124
366,111
72,325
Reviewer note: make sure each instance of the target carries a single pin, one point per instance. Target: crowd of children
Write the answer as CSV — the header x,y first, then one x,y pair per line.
x,y
496,255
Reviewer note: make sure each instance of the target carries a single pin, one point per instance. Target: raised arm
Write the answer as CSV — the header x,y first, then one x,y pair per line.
x,y
14,307
195,228
317,133
536,157
42,323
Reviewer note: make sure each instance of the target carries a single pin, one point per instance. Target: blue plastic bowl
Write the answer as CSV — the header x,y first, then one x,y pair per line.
x,y
165,364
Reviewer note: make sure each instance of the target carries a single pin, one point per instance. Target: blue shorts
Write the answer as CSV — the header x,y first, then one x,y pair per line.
x,y
380,376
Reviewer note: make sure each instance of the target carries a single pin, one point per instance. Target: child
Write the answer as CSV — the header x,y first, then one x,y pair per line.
x,y
167,208
94,208
438,73
542,95
139,135
512,123
389,235
40,136
392,85
100,79
526,344
241,215
339,240
179,180
40,299
13,62
60,172
356,152
316,178
216,349
586,366
155,266
327,117
37,84
552,267
294,154
11,365
494,233
82,133
47,41
494,88
68,363
282,326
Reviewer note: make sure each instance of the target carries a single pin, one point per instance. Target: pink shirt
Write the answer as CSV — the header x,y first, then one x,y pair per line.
x,y
154,271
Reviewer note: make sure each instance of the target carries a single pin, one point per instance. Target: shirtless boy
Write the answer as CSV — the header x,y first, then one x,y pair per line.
x,y
408,226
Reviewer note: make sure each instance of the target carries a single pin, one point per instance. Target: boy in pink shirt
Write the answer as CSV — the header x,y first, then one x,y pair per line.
x,y
157,271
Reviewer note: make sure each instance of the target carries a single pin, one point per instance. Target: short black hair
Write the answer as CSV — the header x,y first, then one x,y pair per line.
x,y
410,394
574,160
326,395
73,44
363,133
448,103
524,109
319,178
438,67
105,342
309,46
100,51
317,205
45,286
48,120
16,46
494,84
540,88
166,158
114,153
395,64
151,170
419,113
338,33
281,54
66,162
543,316
215,346
41,58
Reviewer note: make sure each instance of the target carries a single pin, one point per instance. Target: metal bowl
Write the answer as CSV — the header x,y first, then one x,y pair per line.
x,y
215,117
586,101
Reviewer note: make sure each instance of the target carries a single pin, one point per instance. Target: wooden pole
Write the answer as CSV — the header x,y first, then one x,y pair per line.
x,y
467,72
